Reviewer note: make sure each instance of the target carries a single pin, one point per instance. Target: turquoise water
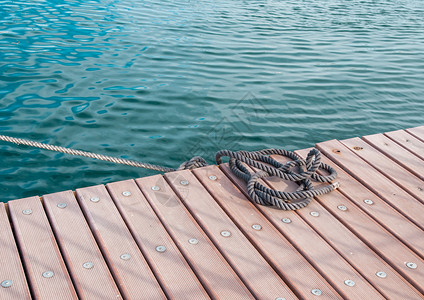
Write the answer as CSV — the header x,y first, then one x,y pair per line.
x,y
161,81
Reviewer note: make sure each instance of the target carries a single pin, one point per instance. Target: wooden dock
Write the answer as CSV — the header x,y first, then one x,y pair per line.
x,y
195,234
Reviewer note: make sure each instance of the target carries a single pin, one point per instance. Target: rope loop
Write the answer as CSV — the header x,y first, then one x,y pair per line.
x,y
298,170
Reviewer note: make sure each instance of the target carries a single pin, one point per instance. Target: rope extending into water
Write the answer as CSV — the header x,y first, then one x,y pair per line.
x,y
260,160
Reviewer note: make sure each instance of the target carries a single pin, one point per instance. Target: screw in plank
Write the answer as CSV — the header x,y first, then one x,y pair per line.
x,y
125,256
314,213
95,199
62,205
381,274
155,188
225,233
368,201
342,207
27,211
316,292
6,283
256,226
88,265
411,265
286,220
212,177
349,282
161,249
184,182
48,274
126,193
193,241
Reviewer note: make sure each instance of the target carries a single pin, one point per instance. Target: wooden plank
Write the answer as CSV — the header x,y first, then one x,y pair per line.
x,y
418,132
407,141
367,262
319,253
374,180
210,267
297,271
83,258
45,268
378,209
252,268
376,237
12,277
126,263
175,275
397,153
406,180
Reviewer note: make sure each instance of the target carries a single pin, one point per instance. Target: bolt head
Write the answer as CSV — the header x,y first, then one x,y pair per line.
x,y
125,256
225,233
161,249
381,274
316,292
369,202
126,193
88,265
6,283
256,226
62,205
286,220
48,274
94,199
184,182
314,213
349,282
27,211
155,188
342,207
193,241
212,177
411,265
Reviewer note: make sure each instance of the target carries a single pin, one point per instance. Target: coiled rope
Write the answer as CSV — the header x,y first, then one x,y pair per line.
x,y
260,160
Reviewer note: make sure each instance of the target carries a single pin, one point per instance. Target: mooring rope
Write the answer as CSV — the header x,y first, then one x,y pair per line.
x,y
260,160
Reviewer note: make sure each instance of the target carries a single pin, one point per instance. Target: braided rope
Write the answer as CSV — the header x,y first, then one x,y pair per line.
x,y
260,160
116,160
270,167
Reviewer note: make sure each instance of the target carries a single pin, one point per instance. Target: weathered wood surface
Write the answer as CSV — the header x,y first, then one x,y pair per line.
x,y
196,235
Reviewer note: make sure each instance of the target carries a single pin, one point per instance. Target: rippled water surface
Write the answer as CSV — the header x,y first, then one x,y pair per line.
x,y
161,81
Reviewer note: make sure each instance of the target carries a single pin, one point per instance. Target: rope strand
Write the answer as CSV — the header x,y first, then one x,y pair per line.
x,y
239,161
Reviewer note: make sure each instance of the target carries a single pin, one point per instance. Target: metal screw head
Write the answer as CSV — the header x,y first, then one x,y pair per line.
x,y
256,226
280,298
314,213
155,188
27,211
286,220
212,177
62,205
125,256
193,241
411,265
225,233
126,193
342,207
316,292
6,283
184,182
48,274
368,201
381,274
94,199
349,282
160,248
88,265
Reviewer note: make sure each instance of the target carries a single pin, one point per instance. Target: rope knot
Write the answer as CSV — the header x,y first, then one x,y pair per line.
x,y
266,166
